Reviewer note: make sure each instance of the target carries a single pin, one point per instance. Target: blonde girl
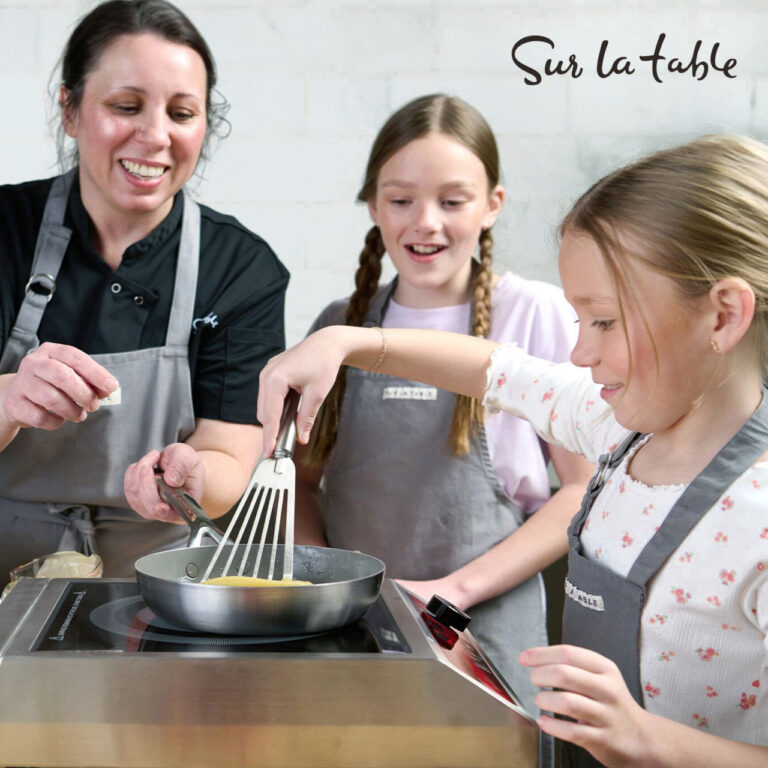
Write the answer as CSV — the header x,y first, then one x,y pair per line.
x,y
413,474
666,619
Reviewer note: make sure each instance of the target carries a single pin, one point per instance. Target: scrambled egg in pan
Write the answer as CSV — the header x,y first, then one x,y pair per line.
x,y
252,581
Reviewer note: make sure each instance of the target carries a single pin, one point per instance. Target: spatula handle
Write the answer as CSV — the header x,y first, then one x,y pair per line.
x,y
286,437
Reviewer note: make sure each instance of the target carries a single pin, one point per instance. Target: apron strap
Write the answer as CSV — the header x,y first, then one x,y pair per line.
x,y
185,287
52,242
741,451
379,304
79,534
606,464
46,260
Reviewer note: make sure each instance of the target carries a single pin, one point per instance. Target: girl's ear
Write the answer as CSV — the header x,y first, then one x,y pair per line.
x,y
734,303
67,113
495,201
373,212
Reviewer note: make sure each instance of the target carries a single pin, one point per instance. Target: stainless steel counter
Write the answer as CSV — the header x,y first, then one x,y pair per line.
x,y
260,710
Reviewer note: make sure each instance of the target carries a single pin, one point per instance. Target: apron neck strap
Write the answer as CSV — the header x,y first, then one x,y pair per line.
x,y
52,243
185,287
379,304
606,464
738,454
54,237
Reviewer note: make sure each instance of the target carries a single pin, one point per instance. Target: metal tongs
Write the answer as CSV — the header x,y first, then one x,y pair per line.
x,y
270,491
200,524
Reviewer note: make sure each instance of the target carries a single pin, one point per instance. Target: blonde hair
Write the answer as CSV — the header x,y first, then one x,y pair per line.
x,y
699,213
452,117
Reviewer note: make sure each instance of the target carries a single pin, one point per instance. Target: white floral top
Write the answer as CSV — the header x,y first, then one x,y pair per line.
x,y
703,645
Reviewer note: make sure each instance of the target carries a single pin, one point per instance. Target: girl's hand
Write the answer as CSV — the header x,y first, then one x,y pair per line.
x,y
589,688
55,383
182,468
443,587
310,368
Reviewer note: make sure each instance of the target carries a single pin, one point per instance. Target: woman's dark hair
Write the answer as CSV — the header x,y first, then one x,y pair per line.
x,y
115,18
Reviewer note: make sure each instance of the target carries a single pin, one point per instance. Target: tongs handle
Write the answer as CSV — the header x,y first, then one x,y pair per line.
x,y
200,524
286,437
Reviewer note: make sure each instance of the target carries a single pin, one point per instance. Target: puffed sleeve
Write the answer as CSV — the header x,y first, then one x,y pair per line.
x,y
559,400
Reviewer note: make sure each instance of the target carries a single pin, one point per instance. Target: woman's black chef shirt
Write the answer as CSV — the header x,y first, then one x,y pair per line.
x,y
238,307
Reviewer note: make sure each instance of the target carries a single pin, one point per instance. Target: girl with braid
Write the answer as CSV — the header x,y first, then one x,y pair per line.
x,y
413,474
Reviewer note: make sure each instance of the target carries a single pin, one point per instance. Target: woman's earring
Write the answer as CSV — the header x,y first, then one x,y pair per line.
x,y
715,346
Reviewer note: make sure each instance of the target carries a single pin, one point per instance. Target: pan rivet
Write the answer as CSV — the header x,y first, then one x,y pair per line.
x,y
192,571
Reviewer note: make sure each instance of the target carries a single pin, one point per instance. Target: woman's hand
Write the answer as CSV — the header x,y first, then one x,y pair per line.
x,y
589,688
182,468
55,383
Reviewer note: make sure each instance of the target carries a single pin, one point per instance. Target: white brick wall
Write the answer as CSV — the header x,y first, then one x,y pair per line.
x,y
310,82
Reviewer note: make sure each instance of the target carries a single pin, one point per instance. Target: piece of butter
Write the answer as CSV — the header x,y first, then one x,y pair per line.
x,y
113,398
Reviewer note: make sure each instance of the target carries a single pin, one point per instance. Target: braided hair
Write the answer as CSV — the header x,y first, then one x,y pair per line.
x,y
366,282
452,117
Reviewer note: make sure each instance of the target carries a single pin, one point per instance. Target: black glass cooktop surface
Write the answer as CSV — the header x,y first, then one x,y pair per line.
x,y
111,616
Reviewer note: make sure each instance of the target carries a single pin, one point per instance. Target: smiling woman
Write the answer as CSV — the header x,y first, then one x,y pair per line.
x,y
130,316
139,127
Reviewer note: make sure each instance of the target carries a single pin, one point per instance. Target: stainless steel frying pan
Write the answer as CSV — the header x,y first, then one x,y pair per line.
x,y
344,585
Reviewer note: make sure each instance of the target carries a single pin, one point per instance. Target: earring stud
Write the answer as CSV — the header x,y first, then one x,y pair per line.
x,y
715,346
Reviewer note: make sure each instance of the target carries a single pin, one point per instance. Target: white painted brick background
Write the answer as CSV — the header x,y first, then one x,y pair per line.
x,y
311,81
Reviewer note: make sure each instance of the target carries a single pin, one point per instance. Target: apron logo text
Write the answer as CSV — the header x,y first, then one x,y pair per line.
x,y
593,602
409,393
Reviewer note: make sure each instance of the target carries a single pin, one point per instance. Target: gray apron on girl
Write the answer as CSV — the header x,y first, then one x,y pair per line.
x,y
603,610
393,489
64,489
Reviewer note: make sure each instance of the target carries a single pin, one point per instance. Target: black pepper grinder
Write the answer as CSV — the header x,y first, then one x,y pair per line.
x,y
445,621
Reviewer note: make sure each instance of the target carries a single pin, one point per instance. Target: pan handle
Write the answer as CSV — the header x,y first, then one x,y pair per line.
x,y
200,524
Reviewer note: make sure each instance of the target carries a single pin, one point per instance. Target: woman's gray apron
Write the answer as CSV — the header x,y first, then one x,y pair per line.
x,y
64,489
603,609
393,489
